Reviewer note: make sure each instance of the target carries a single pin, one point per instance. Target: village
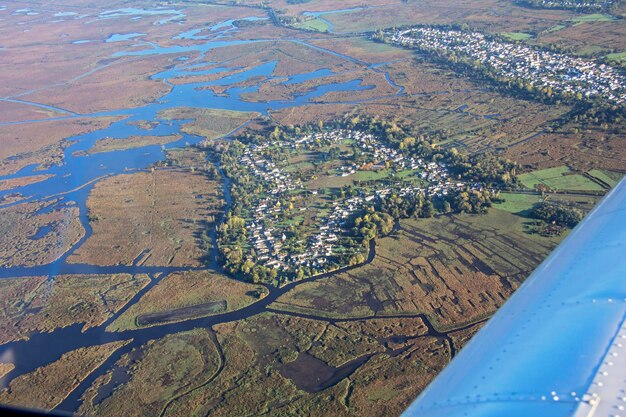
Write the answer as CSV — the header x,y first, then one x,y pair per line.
x,y
319,248
542,70
570,4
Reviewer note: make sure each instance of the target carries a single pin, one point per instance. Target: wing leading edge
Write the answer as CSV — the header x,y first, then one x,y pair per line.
x,y
558,347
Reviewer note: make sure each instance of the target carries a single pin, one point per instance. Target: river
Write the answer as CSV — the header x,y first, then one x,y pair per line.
x,y
74,179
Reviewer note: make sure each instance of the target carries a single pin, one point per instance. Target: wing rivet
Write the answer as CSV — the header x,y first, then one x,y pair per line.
x,y
555,398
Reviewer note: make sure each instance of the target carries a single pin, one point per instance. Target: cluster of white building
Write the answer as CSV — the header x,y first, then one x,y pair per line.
x,y
268,240
265,169
575,4
540,68
382,153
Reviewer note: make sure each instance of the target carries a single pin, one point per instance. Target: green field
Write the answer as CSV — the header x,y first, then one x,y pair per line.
x,y
596,17
313,24
556,28
517,36
609,177
618,56
558,178
517,203
299,166
407,174
371,175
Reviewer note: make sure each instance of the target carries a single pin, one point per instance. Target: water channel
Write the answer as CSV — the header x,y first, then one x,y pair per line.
x,y
71,183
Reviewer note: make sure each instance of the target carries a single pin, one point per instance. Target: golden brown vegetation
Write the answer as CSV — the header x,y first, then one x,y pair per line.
x,y
453,269
5,368
182,295
22,181
33,238
55,381
160,371
37,304
111,144
152,218
208,123
41,143
362,376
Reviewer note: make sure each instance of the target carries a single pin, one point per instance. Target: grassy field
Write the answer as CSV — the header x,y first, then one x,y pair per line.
x,y
317,24
517,203
596,17
556,28
269,360
559,178
612,178
11,183
618,56
517,36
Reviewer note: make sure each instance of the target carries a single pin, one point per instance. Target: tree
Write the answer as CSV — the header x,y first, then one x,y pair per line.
x,y
428,209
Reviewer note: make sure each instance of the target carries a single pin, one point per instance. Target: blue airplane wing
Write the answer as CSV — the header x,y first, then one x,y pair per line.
x,y
558,347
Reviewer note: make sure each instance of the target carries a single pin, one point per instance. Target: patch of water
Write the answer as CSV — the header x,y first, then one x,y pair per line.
x,y
42,231
119,37
300,78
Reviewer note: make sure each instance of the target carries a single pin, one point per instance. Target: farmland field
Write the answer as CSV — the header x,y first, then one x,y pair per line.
x,y
559,178
611,178
517,36
517,203
596,17
313,24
